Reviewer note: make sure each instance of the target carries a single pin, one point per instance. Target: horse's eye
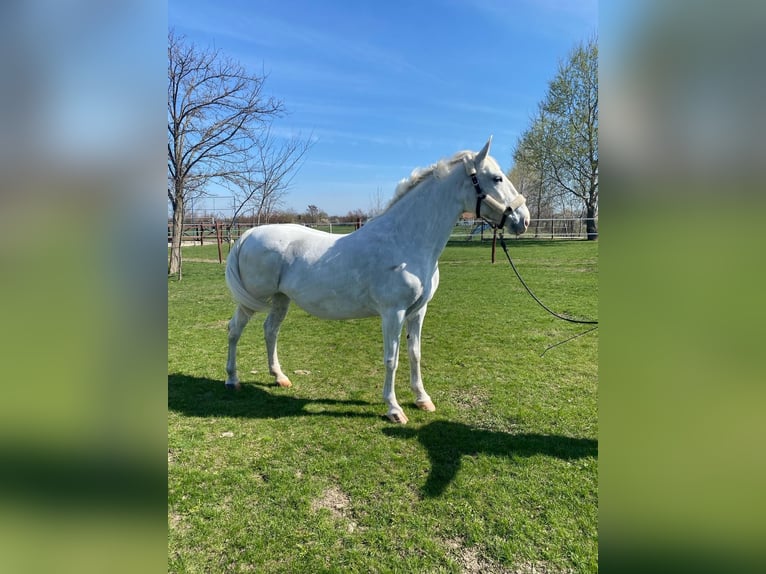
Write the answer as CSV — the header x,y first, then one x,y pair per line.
x,y
498,179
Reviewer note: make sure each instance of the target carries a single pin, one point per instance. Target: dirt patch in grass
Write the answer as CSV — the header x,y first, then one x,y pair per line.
x,y
334,500
539,568
472,561
338,503
177,522
200,260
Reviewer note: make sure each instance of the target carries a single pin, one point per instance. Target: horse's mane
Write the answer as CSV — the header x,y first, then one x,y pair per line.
x,y
439,169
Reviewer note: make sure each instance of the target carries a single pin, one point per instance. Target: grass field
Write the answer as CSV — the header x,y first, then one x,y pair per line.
x,y
501,478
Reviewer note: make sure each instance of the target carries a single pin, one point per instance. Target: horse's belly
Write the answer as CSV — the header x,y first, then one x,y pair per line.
x,y
332,303
324,311
349,295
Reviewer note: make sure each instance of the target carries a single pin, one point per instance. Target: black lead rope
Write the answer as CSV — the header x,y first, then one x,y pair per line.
x,y
544,306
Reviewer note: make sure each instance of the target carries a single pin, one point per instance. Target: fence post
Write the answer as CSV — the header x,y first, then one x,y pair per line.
x,y
218,240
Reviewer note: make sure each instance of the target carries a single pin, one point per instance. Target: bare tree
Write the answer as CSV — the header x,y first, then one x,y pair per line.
x,y
216,111
314,214
356,216
377,202
267,175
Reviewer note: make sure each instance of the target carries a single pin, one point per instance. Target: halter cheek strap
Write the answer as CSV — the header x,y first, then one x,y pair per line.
x,y
480,195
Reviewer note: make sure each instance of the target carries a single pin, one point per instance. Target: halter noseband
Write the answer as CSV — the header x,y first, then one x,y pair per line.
x,y
519,200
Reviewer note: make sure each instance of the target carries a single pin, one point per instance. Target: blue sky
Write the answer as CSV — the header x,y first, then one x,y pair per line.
x,y
387,86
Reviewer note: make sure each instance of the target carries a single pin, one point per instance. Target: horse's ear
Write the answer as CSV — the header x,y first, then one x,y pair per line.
x,y
483,153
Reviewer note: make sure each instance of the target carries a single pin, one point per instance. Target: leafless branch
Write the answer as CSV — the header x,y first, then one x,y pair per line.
x,y
217,115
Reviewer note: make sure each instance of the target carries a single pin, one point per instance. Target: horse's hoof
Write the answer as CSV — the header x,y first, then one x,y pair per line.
x,y
233,386
426,406
397,417
284,383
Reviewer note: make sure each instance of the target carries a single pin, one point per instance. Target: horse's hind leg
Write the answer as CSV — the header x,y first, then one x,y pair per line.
x,y
279,306
236,325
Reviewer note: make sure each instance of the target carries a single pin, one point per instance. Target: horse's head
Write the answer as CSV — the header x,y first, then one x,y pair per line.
x,y
497,201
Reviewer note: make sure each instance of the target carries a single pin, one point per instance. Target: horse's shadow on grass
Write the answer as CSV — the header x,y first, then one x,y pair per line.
x,y
448,442
204,397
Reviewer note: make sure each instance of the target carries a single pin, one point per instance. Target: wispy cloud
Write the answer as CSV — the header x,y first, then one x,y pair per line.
x,y
306,48
354,165
505,111
551,18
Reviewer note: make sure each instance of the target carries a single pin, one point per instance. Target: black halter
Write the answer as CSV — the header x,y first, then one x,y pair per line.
x,y
481,196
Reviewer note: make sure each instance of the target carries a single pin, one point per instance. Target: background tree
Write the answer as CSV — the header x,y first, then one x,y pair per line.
x,y
377,203
354,216
560,148
216,111
314,214
267,175
530,169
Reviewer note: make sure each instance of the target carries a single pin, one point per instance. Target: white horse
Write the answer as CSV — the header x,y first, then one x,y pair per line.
x,y
389,267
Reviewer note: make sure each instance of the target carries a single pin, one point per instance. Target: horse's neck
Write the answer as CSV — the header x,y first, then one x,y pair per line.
x,y
426,217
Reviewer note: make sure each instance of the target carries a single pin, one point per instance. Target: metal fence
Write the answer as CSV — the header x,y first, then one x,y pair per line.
x,y
204,230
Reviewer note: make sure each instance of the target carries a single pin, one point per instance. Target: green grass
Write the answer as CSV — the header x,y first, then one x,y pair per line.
x,y
502,477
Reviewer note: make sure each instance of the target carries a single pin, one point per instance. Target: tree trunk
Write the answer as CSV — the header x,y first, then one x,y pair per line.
x,y
590,223
539,201
174,265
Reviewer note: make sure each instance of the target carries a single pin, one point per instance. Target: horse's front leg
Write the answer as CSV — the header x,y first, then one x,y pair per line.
x,y
414,327
392,331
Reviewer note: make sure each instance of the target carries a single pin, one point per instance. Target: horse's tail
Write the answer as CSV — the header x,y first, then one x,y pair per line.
x,y
234,280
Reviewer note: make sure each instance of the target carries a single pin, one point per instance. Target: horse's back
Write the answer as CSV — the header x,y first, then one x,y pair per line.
x,y
279,244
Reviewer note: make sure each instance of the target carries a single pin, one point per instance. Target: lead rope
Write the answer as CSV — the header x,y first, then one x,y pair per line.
x,y
544,306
